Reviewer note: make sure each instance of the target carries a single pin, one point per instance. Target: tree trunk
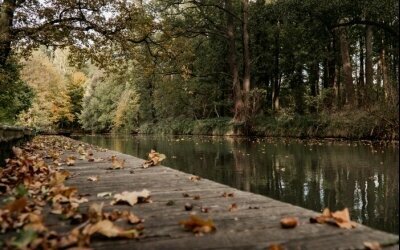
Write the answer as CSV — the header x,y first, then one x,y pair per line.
x,y
368,63
237,96
361,81
276,83
246,61
7,9
313,81
347,69
385,79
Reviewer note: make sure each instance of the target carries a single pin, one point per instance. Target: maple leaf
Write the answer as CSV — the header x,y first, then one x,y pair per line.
x,y
338,218
198,225
59,177
154,159
117,164
131,197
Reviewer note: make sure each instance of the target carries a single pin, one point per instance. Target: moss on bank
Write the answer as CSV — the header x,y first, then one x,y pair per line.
x,y
348,125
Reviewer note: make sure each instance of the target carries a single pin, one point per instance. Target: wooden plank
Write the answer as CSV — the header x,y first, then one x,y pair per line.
x,y
243,228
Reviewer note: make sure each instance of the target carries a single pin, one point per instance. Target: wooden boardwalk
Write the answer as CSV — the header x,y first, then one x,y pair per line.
x,y
254,224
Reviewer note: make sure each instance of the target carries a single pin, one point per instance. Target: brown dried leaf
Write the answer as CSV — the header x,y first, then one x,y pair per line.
x,y
154,159
70,161
232,207
93,178
289,222
118,164
372,245
225,194
131,197
17,205
59,177
17,152
275,247
95,212
107,228
194,178
188,206
198,225
339,218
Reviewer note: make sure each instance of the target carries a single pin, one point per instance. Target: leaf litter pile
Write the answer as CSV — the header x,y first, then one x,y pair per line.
x,y
32,182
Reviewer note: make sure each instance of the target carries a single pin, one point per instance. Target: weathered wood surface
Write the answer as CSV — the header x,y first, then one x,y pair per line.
x,y
244,228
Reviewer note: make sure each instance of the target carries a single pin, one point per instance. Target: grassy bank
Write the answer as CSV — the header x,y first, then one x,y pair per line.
x,y
348,125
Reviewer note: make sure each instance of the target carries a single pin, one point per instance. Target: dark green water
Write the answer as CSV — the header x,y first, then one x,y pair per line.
x,y
310,174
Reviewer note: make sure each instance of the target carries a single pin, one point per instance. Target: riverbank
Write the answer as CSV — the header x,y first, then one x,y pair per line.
x,y
344,125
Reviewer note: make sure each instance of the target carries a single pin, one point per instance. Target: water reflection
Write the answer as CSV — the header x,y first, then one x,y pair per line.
x,y
315,175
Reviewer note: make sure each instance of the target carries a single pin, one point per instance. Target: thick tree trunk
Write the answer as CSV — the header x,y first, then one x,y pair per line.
x,y
347,68
369,72
313,81
7,9
233,67
276,84
246,61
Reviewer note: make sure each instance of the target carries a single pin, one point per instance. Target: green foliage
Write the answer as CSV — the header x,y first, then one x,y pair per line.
x,y
15,94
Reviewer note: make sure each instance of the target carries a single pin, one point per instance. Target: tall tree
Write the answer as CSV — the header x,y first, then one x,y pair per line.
x,y
347,68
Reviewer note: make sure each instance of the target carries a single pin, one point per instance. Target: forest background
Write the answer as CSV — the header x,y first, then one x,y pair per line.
x,y
225,67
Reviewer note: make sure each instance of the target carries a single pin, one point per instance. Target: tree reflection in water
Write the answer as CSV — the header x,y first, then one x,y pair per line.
x,y
314,175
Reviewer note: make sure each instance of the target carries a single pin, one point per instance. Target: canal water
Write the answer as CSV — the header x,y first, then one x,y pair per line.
x,y
313,174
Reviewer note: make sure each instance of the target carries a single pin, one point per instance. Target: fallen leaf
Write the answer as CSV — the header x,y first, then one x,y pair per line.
x,y
275,247
93,178
204,209
17,151
118,164
188,206
232,207
194,178
104,194
108,229
154,159
70,161
225,194
95,212
170,203
372,245
339,218
289,222
196,197
198,225
131,197
17,205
